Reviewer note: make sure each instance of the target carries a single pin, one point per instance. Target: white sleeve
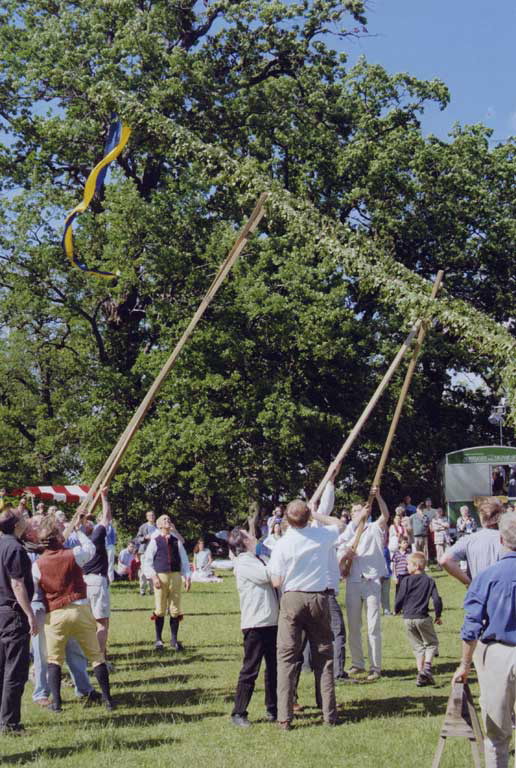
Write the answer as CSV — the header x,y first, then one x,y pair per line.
x,y
327,499
185,565
276,565
36,573
148,559
84,551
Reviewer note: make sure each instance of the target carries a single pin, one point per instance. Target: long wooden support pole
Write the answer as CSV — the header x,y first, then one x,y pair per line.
x,y
111,464
337,462
346,565
405,388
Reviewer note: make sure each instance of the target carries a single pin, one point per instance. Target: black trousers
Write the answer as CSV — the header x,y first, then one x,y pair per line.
x,y
259,643
14,664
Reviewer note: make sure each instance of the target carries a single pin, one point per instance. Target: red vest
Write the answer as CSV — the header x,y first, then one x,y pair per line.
x,y
61,578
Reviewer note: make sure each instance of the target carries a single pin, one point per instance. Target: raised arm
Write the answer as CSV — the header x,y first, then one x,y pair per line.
x,y
322,515
106,516
383,520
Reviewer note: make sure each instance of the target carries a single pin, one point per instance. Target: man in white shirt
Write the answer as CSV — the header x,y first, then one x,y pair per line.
x,y
259,623
300,566
368,566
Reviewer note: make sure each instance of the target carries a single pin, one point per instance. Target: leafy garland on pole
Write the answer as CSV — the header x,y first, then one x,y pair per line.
x,y
394,283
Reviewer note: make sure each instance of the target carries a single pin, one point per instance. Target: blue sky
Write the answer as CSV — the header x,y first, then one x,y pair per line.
x,y
469,44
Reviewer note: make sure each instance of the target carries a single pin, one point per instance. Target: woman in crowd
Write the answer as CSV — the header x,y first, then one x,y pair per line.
x,y
202,563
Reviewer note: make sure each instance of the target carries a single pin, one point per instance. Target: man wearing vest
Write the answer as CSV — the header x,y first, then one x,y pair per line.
x,y
165,562
58,572
16,619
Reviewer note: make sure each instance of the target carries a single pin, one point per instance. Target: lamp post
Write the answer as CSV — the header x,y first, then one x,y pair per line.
x,y
497,416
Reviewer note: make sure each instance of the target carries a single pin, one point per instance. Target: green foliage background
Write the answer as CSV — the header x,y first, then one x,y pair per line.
x,y
228,98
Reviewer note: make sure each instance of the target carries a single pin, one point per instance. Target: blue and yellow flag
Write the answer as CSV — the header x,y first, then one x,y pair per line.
x,y
117,139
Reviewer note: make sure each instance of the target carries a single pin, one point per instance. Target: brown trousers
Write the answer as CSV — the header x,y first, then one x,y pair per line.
x,y
305,612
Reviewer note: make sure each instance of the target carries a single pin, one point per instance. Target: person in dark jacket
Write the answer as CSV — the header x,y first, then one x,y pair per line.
x,y
413,599
17,620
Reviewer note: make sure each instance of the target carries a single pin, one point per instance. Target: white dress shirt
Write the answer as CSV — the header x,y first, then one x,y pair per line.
x,y
258,598
148,558
301,558
369,563
326,508
83,552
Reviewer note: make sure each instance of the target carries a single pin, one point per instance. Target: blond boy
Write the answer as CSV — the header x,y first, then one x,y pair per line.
x,y
413,599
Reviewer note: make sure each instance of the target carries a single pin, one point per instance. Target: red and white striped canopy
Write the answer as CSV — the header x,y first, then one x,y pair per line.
x,y
59,493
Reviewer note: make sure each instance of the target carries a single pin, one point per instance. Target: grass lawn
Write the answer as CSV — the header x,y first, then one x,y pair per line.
x,y
174,708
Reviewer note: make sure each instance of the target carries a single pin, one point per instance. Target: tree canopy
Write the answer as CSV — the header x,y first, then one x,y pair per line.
x,y
225,99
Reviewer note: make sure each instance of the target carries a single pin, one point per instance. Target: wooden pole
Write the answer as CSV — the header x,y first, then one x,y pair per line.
x,y
405,388
346,566
112,462
337,462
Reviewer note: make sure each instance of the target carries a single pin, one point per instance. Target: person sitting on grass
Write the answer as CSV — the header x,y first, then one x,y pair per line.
x,y
164,563
58,573
413,599
127,567
202,564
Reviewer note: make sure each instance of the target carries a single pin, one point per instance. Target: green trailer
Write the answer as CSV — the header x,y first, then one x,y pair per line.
x,y
476,472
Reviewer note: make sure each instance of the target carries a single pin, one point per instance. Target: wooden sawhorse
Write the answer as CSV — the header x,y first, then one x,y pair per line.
x,y
461,722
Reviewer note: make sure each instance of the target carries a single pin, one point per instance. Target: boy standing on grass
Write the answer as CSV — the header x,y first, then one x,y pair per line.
x,y
400,562
413,599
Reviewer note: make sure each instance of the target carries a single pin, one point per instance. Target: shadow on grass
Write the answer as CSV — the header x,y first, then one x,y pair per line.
x,y
159,660
96,744
355,711
151,718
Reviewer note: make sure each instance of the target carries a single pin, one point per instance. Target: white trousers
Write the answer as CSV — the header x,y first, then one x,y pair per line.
x,y
358,594
496,669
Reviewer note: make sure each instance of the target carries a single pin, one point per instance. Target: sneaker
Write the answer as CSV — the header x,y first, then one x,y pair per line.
x,y
142,592
271,717
354,671
176,646
53,707
429,677
241,721
345,679
42,702
12,730
387,612
158,645
109,705
422,680
373,676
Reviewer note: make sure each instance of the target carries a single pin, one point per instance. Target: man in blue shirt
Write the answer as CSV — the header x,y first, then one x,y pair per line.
x,y
489,636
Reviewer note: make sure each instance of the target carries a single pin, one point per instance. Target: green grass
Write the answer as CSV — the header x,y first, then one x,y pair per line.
x,y
174,709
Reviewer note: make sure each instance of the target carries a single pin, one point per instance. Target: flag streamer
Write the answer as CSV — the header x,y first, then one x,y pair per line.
x,y
118,137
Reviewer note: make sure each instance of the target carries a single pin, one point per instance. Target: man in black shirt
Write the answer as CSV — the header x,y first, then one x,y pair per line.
x,y
96,573
17,620
413,599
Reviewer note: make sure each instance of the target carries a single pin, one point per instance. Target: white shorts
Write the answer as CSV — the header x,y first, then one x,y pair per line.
x,y
98,595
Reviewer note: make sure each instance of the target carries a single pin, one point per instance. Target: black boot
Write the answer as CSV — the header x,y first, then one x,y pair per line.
x,y
54,683
102,675
159,621
174,628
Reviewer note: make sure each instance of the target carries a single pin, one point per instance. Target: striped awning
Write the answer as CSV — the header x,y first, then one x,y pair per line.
x,y
58,493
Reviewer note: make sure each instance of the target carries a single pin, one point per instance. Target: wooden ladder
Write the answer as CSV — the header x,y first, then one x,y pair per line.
x,y
461,722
